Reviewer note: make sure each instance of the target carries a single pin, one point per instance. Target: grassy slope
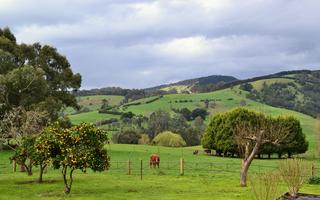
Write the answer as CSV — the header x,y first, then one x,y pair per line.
x,y
95,102
90,117
227,99
259,84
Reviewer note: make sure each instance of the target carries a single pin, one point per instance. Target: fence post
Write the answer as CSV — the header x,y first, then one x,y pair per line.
x,y
129,167
14,165
313,170
141,169
181,166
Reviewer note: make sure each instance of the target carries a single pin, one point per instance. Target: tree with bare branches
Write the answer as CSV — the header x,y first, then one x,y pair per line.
x,y
18,130
251,136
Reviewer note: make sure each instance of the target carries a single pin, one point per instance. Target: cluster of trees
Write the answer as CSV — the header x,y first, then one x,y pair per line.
x,y
221,131
79,147
136,127
248,133
191,115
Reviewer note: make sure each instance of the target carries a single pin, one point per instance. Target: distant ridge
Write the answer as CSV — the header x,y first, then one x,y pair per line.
x,y
196,82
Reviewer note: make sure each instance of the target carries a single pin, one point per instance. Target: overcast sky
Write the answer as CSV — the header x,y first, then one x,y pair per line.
x,y
142,43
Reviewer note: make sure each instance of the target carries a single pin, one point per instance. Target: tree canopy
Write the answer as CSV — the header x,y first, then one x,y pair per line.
x,y
34,76
220,133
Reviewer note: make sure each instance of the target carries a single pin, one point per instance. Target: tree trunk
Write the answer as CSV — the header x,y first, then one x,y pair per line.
x,y
246,162
22,168
269,155
26,168
42,167
67,186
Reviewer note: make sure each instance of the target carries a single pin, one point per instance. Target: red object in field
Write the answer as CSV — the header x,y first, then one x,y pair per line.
x,y
154,160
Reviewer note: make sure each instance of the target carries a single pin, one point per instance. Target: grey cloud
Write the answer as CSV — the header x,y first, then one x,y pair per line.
x,y
141,43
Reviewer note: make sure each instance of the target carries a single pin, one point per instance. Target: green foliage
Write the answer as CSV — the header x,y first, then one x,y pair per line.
x,y
169,139
25,152
314,180
127,136
144,139
246,87
159,121
34,76
220,133
191,136
299,93
79,147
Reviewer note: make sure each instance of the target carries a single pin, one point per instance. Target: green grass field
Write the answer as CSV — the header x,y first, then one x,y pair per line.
x,y
94,102
90,117
220,181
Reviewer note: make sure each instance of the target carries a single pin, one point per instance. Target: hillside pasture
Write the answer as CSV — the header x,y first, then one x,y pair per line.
x,y
94,102
224,100
90,117
258,85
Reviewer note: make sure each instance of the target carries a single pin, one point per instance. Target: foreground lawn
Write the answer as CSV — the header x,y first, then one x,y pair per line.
x,y
221,181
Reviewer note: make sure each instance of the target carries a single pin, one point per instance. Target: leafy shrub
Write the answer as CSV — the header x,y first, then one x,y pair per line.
x,y
314,180
169,139
129,136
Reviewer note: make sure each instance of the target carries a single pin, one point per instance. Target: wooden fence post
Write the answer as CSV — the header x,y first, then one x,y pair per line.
x,y
14,165
181,166
129,167
313,170
141,169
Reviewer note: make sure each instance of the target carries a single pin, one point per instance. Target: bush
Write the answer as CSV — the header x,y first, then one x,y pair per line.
x,y
169,139
126,137
314,180
144,139
294,173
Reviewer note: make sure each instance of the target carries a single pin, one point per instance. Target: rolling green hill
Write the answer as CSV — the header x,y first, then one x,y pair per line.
x,y
221,100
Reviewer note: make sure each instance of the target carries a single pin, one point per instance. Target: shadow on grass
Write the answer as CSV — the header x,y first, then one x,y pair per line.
x,y
37,182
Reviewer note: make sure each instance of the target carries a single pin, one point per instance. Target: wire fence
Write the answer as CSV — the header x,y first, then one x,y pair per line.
x,y
187,168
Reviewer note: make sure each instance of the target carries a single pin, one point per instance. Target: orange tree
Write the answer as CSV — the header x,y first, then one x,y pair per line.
x,y
46,148
80,147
